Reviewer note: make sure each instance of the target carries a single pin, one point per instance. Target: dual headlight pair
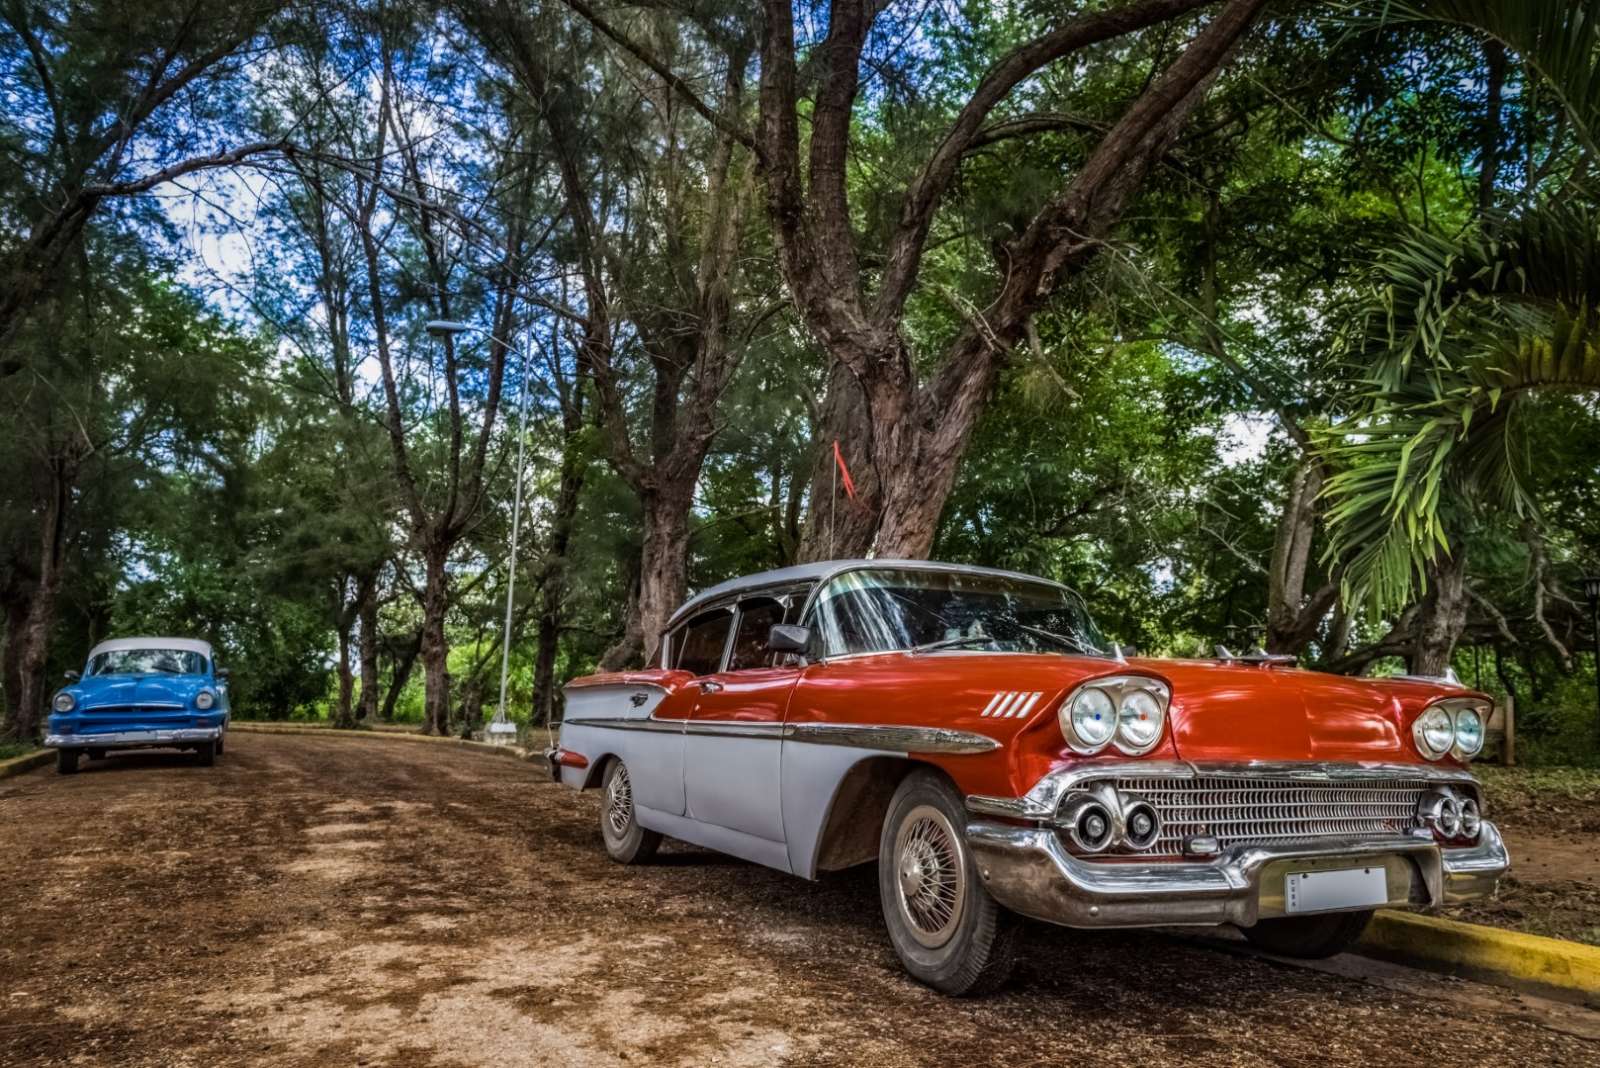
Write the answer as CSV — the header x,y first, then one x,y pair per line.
x,y
1128,711
1454,725
65,702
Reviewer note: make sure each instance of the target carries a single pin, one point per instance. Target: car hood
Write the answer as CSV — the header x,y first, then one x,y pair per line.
x,y
1233,712
120,691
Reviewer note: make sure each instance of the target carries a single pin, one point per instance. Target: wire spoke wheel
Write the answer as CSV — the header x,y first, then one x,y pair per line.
x,y
619,802
930,875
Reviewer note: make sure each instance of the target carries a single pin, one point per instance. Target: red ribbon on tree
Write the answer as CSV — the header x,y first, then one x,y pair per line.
x,y
844,472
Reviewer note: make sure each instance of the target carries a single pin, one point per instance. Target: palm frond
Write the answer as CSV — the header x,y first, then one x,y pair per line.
x,y
1560,39
1455,332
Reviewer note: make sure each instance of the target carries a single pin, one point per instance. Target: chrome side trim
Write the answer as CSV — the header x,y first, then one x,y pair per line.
x,y
889,739
1041,801
623,723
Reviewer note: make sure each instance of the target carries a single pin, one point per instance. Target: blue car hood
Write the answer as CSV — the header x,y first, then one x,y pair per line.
x,y
121,691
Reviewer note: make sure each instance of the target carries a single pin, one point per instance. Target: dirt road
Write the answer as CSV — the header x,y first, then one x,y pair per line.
x,y
335,902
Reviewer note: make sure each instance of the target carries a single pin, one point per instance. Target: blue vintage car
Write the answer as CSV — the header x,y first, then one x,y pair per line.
x,y
140,693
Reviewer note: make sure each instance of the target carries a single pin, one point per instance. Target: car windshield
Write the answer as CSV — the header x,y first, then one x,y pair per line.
x,y
876,610
147,662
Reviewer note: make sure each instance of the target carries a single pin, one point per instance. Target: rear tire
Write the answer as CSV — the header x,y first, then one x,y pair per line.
x,y
97,754
1309,937
626,841
67,761
205,754
947,930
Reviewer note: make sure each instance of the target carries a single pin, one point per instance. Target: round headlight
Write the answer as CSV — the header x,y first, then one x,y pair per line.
x,y
1139,721
1471,818
1469,731
64,702
1433,732
204,700
1089,720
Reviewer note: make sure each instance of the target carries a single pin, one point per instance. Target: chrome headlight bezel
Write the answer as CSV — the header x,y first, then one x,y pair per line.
x,y
1125,694
205,700
63,702
1455,711
1429,721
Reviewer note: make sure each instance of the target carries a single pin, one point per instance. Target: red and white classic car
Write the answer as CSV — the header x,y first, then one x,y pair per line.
x,y
972,731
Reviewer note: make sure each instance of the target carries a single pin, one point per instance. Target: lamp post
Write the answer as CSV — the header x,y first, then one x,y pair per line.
x,y
1591,590
500,729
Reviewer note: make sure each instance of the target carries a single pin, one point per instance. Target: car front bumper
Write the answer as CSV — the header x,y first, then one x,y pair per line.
x,y
1029,871
133,739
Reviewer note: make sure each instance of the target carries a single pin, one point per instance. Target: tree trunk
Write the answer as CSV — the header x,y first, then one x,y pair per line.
x,y
1293,617
367,706
553,583
435,648
663,562
344,715
32,617
399,675
1443,614
837,527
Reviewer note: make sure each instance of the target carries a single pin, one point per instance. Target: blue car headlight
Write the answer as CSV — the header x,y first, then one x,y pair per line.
x,y
64,702
204,700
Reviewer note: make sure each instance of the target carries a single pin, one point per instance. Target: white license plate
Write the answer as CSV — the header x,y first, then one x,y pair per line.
x,y
1345,888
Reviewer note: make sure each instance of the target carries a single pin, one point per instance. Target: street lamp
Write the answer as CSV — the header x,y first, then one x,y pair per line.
x,y
500,729
1591,590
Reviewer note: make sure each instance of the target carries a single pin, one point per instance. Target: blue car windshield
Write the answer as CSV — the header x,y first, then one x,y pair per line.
x,y
874,610
147,662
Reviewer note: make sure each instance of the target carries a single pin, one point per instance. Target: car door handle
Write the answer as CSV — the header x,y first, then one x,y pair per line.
x,y
707,686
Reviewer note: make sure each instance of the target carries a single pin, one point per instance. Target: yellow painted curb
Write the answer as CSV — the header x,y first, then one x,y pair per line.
x,y
1489,952
25,762
400,736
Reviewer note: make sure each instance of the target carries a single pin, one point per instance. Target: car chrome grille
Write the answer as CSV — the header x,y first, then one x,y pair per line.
x,y
1248,811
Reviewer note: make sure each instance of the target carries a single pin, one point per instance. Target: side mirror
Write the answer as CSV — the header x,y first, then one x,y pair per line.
x,y
789,638
72,676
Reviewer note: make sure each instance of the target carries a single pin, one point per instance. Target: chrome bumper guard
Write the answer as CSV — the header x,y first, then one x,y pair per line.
x,y
129,739
1029,871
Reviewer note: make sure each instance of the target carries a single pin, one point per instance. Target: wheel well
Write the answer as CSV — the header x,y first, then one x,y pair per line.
x,y
595,773
855,815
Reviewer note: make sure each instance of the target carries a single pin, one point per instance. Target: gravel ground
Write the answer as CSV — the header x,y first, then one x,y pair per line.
x,y
370,902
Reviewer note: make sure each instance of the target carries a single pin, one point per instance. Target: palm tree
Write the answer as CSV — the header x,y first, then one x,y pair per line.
x,y
1456,334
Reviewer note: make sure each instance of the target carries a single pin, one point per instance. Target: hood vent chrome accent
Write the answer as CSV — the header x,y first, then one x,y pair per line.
x,y
1011,704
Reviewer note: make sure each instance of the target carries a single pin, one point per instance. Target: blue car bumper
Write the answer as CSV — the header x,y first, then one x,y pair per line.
x,y
133,739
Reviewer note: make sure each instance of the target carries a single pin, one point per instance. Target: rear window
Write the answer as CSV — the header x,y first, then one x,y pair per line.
x,y
699,645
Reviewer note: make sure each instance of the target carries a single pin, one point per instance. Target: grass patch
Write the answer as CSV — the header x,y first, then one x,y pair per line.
x,y
16,749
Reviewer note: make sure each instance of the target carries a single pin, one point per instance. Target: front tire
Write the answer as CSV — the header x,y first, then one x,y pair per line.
x,y
1309,937
205,754
947,930
67,761
220,737
626,841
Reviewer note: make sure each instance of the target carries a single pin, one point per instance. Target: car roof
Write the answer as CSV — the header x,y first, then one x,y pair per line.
x,y
188,645
822,569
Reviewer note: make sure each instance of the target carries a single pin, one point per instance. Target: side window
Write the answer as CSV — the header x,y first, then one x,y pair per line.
x,y
700,642
756,620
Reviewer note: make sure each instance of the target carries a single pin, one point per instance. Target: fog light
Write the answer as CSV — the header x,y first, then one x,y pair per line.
x,y
1471,818
1141,825
1087,823
1441,811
